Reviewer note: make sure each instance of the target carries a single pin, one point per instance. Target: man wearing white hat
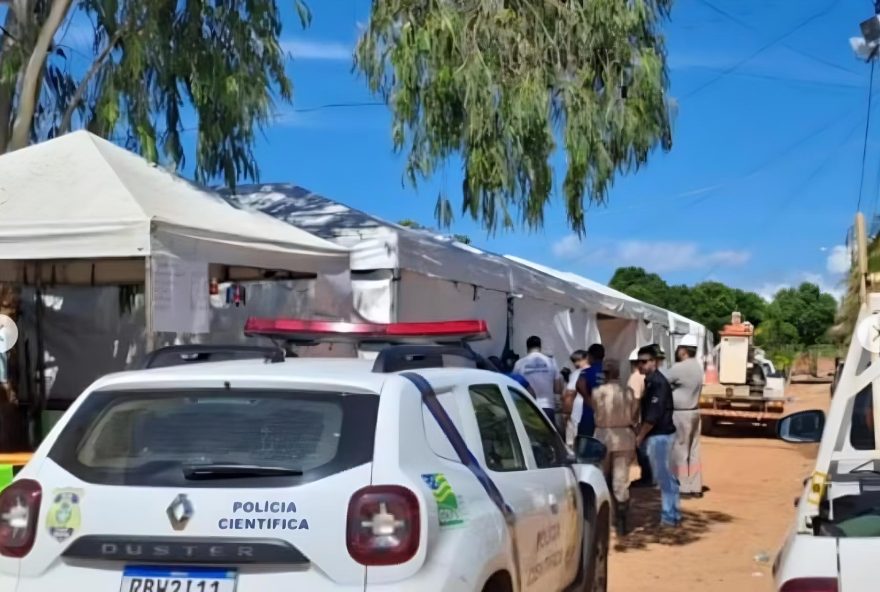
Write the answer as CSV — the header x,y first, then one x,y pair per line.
x,y
686,379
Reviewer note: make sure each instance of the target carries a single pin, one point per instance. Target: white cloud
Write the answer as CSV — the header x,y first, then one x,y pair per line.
x,y
838,260
665,256
317,50
768,290
568,247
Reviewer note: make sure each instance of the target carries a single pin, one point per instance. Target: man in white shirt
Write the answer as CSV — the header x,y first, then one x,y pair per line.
x,y
542,373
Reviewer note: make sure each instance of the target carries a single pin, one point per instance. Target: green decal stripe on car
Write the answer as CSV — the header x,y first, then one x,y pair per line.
x,y
6,474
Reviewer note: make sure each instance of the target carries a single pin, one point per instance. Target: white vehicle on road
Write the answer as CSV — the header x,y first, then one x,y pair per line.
x,y
835,541
413,471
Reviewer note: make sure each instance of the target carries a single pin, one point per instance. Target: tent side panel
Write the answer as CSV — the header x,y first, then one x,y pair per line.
x,y
424,298
561,329
89,332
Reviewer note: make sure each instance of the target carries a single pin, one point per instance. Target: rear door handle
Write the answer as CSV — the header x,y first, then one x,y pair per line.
x,y
554,504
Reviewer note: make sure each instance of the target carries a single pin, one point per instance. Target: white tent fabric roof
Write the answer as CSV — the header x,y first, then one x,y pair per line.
x,y
613,302
379,244
616,299
82,197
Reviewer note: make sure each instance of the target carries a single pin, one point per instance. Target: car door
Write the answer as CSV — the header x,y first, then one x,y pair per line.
x,y
552,556
501,453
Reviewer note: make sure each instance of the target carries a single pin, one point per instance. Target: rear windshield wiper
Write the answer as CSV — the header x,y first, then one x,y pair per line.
x,y
227,471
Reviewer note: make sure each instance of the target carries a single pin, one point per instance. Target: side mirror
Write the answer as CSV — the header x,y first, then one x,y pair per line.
x,y
802,427
589,451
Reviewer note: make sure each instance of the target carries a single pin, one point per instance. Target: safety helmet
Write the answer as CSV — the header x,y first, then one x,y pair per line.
x,y
688,341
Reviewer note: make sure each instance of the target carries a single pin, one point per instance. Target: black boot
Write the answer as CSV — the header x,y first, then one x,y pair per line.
x,y
620,519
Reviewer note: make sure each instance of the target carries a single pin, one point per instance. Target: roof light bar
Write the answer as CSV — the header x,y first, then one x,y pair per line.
x,y
310,330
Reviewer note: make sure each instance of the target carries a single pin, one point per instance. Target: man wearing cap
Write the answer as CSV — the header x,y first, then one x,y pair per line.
x,y
686,380
657,433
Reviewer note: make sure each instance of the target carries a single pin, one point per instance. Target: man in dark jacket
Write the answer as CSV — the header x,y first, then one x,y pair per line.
x,y
656,434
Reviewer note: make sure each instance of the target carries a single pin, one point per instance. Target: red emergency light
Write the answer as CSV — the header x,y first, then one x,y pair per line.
x,y
318,331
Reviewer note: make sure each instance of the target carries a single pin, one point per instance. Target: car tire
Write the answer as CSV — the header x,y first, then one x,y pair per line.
x,y
595,557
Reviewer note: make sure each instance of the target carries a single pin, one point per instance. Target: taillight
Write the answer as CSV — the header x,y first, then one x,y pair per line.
x,y
810,585
383,525
19,513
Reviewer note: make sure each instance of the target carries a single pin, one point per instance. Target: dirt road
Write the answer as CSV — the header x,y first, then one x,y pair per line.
x,y
753,482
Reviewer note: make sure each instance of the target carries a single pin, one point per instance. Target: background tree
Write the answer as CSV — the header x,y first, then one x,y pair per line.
x,y
709,303
638,283
805,308
155,70
502,84
800,317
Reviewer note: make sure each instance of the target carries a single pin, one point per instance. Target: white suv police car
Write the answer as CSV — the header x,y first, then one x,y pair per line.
x,y
407,472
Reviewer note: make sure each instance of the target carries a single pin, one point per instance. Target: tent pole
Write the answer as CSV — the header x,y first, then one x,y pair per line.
x,y
148,304
40,407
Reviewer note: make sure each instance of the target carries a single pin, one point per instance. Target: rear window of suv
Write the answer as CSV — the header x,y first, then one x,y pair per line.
x,y
157,438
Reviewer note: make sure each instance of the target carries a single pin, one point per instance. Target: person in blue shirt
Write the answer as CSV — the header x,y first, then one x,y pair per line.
x,y
590,377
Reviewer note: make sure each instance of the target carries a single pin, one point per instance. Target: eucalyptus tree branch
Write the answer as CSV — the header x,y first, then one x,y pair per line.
x,y
80,92
30,84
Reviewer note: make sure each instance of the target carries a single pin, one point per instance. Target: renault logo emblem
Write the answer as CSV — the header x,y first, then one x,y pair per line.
x,y
179,512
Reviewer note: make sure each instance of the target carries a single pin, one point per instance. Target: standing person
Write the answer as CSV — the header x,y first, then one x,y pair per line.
x,y
686,380
657,433
572,402
636,384
615,410
589,379
507,370
543,376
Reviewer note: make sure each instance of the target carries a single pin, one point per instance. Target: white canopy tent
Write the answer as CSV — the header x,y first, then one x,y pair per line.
x,y
110,251
633,323
404,274
81,197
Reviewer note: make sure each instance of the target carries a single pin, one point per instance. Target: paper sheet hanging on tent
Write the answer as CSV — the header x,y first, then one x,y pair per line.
x,y
180,296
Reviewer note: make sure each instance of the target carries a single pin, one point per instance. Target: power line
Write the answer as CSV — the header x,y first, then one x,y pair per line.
x,y
340,106
761,50
732,17
867,129
816,132
759,231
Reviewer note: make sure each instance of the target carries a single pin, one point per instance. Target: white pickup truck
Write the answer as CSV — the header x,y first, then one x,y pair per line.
x,y
835,541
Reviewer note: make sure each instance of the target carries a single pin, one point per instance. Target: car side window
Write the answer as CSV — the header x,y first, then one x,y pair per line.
x,y
547,445
861,434
501,446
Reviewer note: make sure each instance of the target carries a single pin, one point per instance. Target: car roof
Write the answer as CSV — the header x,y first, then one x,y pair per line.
x,y
345,372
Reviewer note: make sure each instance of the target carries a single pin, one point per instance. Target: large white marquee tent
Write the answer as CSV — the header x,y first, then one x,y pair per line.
x,y
405,274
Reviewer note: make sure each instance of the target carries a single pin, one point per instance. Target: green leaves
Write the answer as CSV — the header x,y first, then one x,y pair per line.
x,y
506,84
799,316
166,67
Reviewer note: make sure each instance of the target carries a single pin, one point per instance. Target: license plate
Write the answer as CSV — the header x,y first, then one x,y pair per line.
x,y
190,579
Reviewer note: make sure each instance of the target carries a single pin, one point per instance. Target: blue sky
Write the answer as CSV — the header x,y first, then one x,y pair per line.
x,y
758,190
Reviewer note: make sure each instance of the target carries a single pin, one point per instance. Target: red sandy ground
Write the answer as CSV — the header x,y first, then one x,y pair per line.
x,y
753,481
